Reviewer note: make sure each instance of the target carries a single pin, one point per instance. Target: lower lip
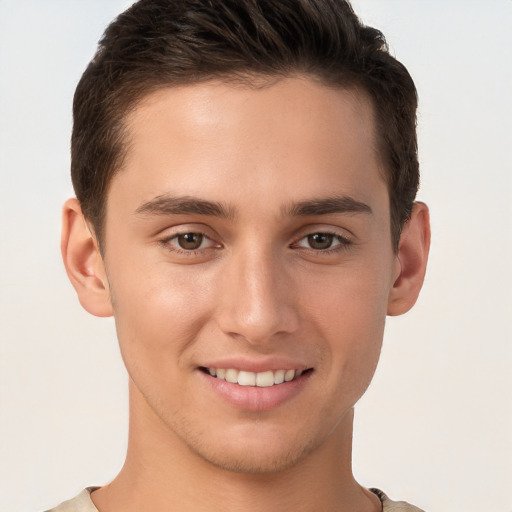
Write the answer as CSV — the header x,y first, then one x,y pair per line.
x,y
254,398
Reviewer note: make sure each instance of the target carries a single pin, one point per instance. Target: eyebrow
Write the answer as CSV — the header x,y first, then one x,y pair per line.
x,y
326,206
189,205
184,205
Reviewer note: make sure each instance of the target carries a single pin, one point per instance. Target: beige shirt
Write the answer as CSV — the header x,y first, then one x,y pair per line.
x,y
83,503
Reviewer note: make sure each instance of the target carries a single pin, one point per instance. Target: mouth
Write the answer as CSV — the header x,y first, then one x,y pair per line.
x,y
255,379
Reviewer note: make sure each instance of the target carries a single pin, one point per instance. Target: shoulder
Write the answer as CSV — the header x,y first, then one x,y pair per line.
x,y
80,503
83,503
389,505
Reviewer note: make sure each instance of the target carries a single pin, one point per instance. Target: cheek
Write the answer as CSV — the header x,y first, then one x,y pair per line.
x,y
158,313
350,315
349,300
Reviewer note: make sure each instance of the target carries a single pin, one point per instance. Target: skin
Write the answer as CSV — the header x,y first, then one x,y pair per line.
x,y
258,290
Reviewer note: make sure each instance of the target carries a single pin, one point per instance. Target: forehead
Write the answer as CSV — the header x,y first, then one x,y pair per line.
x,y
256,105
216,138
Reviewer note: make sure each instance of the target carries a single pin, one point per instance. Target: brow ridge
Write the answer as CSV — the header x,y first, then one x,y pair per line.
x,y
184,205
189,205
326,206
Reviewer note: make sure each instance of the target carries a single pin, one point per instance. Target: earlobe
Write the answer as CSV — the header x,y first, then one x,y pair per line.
x,y
83,261
411,261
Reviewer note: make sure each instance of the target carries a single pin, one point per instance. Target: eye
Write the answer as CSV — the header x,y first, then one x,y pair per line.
x,y
323,241
320,240
189,242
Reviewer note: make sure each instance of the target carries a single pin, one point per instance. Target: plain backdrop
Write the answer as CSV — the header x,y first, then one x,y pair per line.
x,y
435,426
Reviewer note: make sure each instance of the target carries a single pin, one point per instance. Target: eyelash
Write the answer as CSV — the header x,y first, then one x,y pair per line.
x,y
343,243
166,243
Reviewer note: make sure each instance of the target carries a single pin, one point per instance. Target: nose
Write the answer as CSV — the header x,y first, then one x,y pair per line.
x,y
257,300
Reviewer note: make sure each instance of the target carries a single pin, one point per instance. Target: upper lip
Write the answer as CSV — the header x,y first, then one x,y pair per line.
x,y
256,365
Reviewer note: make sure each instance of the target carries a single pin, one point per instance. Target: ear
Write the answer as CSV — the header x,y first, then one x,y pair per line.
x,y
83,261
411,261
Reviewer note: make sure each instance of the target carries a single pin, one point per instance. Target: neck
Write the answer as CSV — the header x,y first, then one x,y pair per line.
x,y
162,474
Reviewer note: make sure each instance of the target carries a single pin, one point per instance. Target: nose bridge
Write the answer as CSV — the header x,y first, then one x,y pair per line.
x,y
257,297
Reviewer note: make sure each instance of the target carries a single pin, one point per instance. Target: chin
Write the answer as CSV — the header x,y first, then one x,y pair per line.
x,y
256,463
259,453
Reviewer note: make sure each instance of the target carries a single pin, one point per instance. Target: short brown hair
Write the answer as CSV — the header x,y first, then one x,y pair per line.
x,y
160,43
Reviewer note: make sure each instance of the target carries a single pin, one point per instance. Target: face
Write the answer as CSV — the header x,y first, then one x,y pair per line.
x,y
249,260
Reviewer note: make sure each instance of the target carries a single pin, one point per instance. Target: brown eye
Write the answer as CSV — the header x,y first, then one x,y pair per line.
x,y
320,241
190,241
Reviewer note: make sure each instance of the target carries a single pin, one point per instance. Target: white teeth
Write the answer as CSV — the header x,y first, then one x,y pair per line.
x,y
260,379
289,374
279,377
232,376
265,379
246,378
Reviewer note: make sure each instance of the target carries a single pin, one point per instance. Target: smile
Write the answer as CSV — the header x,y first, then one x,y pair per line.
x,y
259,379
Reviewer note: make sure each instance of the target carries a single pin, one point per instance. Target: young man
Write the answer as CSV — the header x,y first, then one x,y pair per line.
x,y
245,174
